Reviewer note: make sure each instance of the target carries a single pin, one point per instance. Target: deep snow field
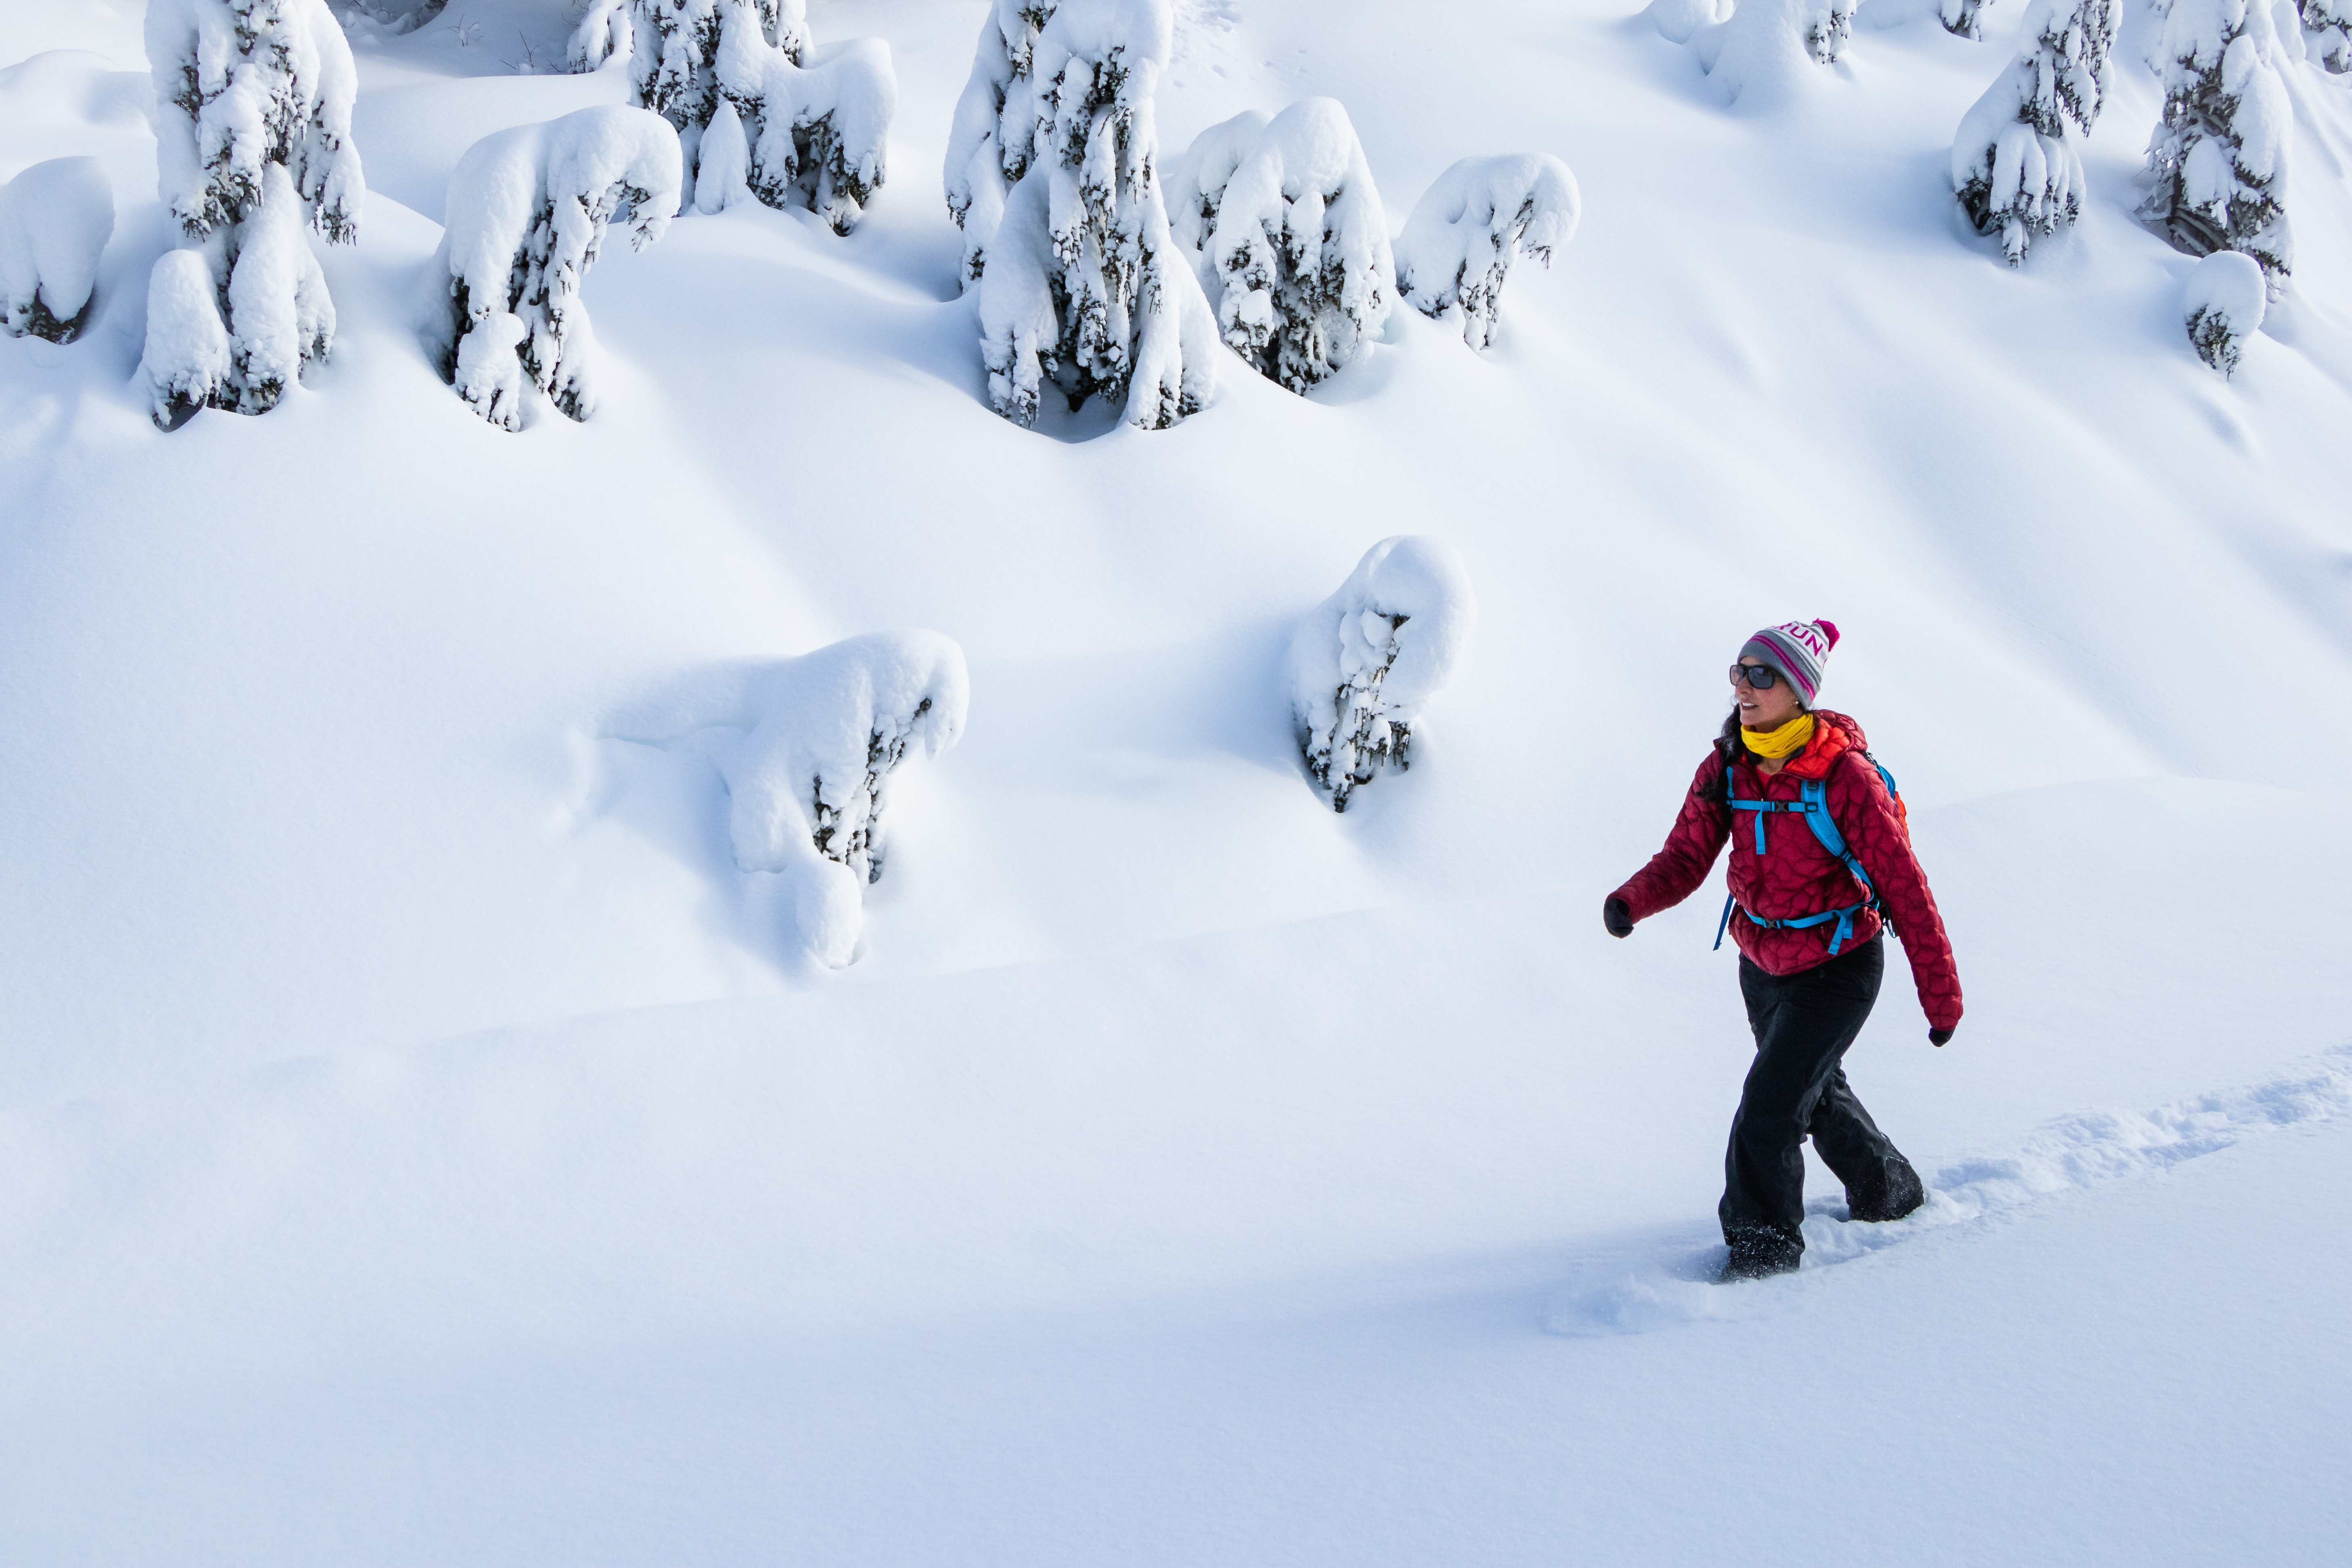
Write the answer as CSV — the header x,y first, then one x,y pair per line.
x,y
419,1146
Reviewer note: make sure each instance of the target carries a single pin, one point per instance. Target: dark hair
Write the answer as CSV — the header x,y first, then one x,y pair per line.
x,y
1729,744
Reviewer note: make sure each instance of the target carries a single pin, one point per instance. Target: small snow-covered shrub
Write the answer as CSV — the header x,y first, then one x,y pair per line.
x,y
813,124
807,749
1366,662
1962,18
2216,161
1766,49
1677,20
55,220
1458,245
1083,287
2014,169
252,144
1286,218
2222,305
994,134
397,17
2327,32
527,213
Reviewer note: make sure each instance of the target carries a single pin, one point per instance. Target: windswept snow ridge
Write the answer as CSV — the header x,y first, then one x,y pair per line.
x,y
55,220
1289,223
527,210
1366,662
2089,1149
807,748
1458,245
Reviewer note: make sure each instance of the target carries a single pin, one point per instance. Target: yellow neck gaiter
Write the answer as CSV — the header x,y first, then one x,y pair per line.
x,y
1785,741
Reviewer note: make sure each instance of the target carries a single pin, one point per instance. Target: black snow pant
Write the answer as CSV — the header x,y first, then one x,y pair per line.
x,y
1804,1024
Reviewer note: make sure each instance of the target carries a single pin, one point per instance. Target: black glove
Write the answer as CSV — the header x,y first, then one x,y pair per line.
x,y
1937,1036
1617,917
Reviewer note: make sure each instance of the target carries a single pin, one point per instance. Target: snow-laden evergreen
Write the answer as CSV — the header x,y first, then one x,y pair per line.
x,y
807,749
994,134
1288,227
1962,18
1458,245
1765,49
188,364
2327,33
2222,305
397,17
1366,661
1083,288
55,220
2015,168
526,214
813,122
253,101
2217,160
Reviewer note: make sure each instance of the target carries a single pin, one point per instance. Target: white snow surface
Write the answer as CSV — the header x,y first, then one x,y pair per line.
x,y
420,1143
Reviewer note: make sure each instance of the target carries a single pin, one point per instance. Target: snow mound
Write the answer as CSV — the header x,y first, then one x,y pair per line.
x,y
1295,242
807,748
1081,284
1458,245
2088,1149
55,220
1367,659
528,209
2222,305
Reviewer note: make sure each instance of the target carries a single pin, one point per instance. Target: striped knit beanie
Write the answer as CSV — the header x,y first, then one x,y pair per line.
x,y
1798,649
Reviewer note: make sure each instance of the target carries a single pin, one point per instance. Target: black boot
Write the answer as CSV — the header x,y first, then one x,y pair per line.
x,y
1900,1195
1760,1254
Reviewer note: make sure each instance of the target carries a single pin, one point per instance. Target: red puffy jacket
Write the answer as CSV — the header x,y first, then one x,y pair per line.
x,y
1796,876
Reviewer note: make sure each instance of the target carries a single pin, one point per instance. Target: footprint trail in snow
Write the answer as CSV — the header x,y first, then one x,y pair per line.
x,y
1618,1294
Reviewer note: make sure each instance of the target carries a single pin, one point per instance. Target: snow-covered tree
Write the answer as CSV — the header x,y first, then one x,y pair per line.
x,y
1766,49
2015,168
2216,161
252,144
1083,285
807,749
1366,662
397,15
2222,305
994,134
1458,245
1962,18
55,220
526,212
2327,32
811,124
1296,245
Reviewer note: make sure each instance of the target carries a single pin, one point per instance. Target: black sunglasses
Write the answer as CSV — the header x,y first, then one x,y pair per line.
x,y
1761,677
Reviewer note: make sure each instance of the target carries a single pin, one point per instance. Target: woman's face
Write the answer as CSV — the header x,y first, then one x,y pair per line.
x,y
1765,709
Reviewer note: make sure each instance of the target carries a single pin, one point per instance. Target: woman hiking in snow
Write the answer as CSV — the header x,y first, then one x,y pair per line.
x,y
1807,920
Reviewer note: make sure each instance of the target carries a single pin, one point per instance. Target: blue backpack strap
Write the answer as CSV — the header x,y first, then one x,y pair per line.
x,y
1826,828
